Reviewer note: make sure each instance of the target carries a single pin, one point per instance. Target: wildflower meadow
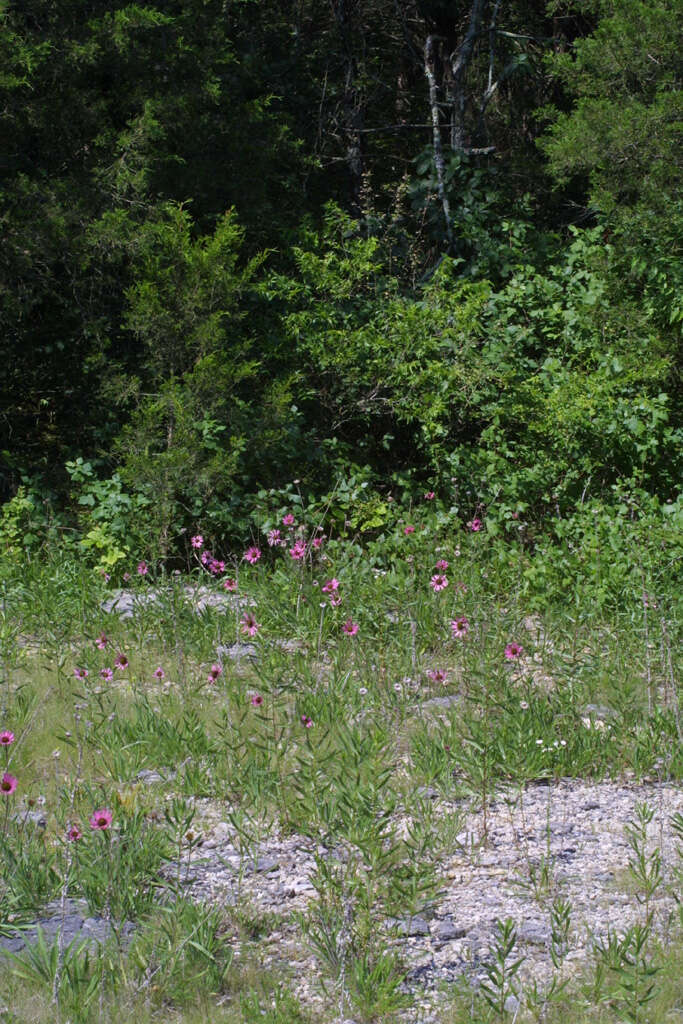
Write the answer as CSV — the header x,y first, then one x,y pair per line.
x,y
338,726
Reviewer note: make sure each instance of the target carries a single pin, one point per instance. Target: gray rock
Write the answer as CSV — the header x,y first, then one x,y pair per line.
x,y
534,933
265,864
440,703
237,651
447,930
511,1004
410,926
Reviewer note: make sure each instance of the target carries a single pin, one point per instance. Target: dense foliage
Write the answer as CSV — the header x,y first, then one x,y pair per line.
x,y
397,244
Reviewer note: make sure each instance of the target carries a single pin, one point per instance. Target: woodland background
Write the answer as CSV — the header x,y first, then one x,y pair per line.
x,y
373,247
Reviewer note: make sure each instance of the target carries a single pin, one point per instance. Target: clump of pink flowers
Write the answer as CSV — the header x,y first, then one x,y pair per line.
x,y
460,627
298,551
8,783
513,651
101,820
252,555
438,582
249,626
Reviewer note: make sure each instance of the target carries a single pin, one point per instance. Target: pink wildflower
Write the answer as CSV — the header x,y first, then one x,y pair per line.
x,y
462,587
159,672
143,568
441,565
6,738
306,721
256,700
350,628
126,577
475,525
106,673
206,557
298,551
438,582
335,600
8,784
274,538
288,520
429,496
101,642
437,675
330,586
197,541
121,662
249,626
214,672
230,584
74,834
252,555
216,567
408,530
317,542
101,820
513,651
81,673
460,626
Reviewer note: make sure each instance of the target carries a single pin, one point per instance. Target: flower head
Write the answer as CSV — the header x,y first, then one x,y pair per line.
x,y
441,565
330,586
248,625
306,721
206,557
475,524
81,673
126,577
256,699
143,568
335,600
101,641
350,628
274,538
429,496
288,520
437,675
215,671
438,582
74,834
460,626
317,542
216,567
298,551
101,820
6,738
230,584
252,555
8,784
197,541
513,651
121,662
159,673
106,673
408,530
